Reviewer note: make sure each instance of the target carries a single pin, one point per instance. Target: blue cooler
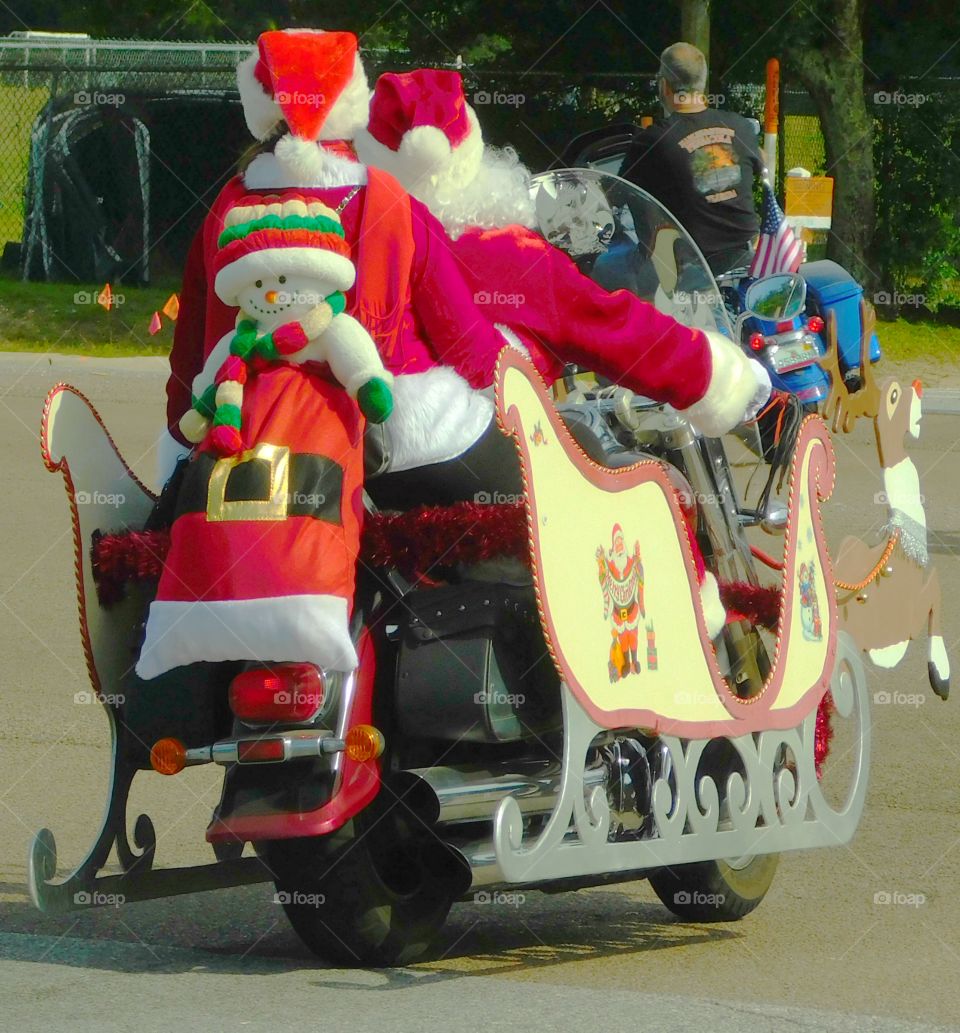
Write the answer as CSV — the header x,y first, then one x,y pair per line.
x,y
830,288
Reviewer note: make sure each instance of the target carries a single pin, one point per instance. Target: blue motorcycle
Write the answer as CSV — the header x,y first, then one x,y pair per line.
x,y
792,346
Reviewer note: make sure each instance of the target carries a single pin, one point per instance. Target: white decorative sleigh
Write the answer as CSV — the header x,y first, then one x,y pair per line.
x,y
673,692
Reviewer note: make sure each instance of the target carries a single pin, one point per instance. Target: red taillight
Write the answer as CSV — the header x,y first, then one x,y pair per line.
x,y
757,342
260,751
281,693
783,327
815,325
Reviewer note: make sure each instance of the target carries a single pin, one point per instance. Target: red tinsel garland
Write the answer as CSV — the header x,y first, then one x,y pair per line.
x,y
127,556
443,536
417,541
758,604
823,732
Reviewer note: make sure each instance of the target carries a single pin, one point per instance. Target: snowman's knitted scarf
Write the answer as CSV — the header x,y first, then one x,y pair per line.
x,y
217,413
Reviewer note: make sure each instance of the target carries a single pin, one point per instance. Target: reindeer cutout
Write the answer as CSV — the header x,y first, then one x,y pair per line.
x,y
887,593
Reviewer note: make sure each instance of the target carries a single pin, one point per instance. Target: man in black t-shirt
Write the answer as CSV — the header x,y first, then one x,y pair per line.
x,y
699,163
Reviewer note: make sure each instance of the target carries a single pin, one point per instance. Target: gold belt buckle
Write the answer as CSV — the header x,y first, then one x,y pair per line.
x,y
274,507
624,612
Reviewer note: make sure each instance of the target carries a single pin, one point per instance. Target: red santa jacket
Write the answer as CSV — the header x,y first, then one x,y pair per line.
x,y
563,316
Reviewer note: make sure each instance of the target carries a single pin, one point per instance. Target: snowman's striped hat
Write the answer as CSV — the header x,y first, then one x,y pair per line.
x,y
272,236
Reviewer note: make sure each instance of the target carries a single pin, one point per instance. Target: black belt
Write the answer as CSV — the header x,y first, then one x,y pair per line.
x,y
314,485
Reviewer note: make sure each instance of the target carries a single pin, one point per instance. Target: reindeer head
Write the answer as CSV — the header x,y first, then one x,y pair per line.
x,y
898,415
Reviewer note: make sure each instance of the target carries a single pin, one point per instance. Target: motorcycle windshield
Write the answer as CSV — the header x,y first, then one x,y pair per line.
x,y
623,238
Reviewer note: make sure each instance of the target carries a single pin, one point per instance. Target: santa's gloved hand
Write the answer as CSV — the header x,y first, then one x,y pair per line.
x,y
734,386
375,400
763,392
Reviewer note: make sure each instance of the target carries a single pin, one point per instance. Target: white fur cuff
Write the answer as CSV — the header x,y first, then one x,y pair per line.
x,y
731,389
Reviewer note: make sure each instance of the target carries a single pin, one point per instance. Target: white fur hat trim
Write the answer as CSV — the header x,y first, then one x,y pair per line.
x,y
336,272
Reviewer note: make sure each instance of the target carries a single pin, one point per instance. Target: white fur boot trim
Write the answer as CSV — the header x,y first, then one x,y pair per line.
x,y
714,615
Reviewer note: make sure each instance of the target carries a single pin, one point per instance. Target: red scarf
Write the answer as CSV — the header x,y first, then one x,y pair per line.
x,y
385,251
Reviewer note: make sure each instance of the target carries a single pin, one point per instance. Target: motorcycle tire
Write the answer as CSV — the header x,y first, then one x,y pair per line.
x,y
355,901
715,891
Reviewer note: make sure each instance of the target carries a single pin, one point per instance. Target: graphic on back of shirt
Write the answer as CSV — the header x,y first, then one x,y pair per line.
x,y
713,163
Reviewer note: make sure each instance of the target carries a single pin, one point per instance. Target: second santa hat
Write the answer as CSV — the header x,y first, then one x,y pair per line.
x,y
422,128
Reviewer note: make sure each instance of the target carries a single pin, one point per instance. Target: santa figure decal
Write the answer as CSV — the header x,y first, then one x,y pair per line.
x,y
621,581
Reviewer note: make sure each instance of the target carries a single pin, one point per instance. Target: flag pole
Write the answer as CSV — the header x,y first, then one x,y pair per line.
x,y
771,115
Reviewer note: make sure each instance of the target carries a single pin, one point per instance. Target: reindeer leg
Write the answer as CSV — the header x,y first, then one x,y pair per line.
x,y
938,663
888,657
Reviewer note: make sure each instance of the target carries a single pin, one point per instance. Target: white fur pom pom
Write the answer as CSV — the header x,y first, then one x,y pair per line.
x,y
194,426
230,393
300,158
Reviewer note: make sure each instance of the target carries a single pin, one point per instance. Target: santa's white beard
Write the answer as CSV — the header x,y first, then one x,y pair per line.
x,y
619,561
498,196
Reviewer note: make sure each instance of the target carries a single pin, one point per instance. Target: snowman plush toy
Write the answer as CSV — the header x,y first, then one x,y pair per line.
x,y
285,263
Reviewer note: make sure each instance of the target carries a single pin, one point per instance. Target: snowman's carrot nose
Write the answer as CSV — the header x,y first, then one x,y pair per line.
x,y
270,297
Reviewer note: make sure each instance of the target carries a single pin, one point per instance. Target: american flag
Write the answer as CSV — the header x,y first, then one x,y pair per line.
x,y
778,249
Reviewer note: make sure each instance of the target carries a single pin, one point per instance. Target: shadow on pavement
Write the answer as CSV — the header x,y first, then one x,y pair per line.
x,y
243,931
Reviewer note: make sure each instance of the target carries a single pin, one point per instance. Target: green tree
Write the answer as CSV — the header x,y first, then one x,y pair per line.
x,y
825,50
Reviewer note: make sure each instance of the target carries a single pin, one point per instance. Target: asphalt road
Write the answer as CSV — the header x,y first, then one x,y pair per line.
x,y
823,952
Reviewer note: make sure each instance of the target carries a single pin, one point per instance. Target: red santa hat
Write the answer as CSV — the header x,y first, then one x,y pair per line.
x,y
617,532
421,129
307,78
267,236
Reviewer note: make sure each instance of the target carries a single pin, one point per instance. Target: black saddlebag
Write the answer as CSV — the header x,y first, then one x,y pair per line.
x,y
473,665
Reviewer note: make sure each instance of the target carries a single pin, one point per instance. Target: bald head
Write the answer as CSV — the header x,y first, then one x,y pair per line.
x,y
684,68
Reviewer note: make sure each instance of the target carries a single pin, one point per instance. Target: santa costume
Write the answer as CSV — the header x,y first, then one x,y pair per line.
x,y
423,131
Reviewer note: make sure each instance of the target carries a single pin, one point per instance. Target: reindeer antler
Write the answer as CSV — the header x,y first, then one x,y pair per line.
x,y
835,407
844,407
868,320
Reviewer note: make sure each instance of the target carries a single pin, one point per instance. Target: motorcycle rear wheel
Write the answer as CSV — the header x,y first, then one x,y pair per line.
x,y
715,891
356,900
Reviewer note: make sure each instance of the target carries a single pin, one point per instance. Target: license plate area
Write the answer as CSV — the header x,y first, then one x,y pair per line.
x,y
795,355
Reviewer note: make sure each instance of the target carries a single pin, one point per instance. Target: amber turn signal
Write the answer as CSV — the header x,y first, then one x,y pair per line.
x,y
168,756
364,742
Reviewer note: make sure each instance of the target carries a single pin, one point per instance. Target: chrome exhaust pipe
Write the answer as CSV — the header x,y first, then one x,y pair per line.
x,y
450,796
478,859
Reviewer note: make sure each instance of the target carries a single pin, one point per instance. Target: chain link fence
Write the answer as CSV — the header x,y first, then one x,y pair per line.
x,y
112,150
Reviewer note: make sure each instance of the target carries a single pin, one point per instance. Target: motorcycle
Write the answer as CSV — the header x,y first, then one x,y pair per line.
x,y
537,702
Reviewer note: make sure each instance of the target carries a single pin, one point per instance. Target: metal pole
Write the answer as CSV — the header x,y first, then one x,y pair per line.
x,y
771,116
